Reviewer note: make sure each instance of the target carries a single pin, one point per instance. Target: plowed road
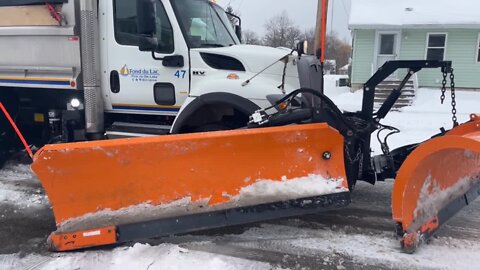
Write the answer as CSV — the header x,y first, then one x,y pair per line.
x,y
358,237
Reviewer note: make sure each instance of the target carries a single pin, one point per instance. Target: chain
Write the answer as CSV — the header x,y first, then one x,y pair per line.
x,y
444,85
454,101
357,156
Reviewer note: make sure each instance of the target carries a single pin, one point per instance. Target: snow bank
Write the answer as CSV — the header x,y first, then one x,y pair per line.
x,y
420,121
261,191
140,256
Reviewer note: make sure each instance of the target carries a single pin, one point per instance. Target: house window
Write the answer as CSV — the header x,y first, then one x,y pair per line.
x,y
387,44
126,32
436,46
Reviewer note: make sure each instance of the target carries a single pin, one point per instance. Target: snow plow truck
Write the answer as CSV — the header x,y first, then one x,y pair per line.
x,y
300,154
72,70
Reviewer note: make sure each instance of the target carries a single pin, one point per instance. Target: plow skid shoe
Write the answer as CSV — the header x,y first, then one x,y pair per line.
x,y
105,192
436,181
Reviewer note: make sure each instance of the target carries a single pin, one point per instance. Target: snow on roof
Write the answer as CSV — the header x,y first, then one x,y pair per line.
x,y
415,14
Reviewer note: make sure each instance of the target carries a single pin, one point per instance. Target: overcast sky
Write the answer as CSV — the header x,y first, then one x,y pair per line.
x,y
254,13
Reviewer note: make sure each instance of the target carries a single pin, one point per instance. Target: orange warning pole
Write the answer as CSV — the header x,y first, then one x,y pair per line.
x,y
321,29
324,29
19,134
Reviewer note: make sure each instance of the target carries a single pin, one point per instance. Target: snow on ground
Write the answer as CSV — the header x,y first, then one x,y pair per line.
x,y
418,122
354,242
13,189
371,248
140,256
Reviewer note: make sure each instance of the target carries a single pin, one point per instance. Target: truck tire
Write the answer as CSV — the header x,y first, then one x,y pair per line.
x,y
242,106
213,127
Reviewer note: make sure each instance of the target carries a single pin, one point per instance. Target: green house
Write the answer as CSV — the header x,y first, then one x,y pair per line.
x,y
386,30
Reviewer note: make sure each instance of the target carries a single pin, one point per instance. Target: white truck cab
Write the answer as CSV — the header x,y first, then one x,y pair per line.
x,y
133,68
197,54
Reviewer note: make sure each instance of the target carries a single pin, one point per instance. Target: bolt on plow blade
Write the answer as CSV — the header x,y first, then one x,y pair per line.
x,y
108,192
436,181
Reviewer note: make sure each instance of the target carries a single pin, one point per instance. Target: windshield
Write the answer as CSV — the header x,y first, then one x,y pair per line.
x,y
205,24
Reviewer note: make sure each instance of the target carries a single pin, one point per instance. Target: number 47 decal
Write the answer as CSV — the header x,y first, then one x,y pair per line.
x,y
180,74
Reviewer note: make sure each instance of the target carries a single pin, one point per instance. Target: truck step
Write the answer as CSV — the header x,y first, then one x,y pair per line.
x,y
129,130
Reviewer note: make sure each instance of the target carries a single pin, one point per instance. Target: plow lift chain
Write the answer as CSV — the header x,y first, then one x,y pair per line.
x,y
445,72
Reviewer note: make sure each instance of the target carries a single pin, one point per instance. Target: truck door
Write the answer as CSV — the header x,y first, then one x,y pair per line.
x,y
141,82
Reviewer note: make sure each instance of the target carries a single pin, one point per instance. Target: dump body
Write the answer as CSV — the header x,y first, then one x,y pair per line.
x,y
35,51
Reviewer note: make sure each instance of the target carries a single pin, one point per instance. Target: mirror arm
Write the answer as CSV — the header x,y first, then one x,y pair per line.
x,y
155,57
236,17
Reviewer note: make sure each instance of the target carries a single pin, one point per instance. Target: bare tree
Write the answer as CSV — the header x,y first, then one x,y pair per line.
x,y
336,48
281,32
250,37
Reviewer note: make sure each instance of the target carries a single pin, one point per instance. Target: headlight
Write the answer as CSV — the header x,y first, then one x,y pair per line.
x,y
74,105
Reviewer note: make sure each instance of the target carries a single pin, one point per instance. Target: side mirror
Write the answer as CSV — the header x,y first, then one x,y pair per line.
x,y
302,48
238,32
173,61
146,24
147,44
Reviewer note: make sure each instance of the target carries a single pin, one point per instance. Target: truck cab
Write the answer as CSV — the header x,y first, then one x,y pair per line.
x,y
195,71
88,74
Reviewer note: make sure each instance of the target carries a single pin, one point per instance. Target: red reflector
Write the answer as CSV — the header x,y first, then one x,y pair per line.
x,y
73,84
73,38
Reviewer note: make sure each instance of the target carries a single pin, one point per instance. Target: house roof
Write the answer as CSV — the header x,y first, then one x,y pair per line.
x,y
390,14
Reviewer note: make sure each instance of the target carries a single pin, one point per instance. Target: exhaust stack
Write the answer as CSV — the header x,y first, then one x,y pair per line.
x,y
91,69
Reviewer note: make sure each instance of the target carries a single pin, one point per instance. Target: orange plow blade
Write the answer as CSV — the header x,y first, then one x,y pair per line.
x,y
438,179
106,192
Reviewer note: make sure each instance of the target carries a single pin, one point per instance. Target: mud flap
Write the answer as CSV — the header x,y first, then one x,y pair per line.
x,y
95,185
436,181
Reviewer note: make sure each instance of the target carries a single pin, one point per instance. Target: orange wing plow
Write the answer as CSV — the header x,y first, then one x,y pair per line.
x,y
107,192
438,179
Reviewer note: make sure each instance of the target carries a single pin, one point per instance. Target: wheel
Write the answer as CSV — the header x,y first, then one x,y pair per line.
x,y
212,127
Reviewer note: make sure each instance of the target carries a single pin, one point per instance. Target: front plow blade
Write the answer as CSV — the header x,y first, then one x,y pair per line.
x,y
436,181
107,192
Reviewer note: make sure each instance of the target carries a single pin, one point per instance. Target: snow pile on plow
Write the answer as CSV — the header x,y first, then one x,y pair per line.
x,y
433,199
261,191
